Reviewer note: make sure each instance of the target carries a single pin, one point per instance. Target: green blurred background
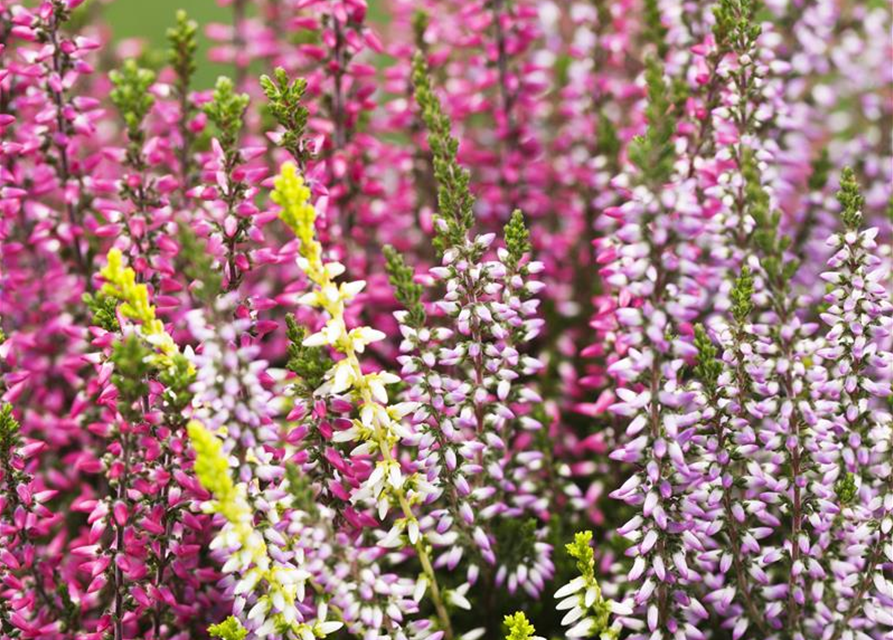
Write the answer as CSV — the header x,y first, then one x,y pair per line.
x,y
149,20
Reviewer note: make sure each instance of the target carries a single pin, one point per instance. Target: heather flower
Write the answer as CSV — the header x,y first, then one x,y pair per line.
x,y
24,517
858,340
463,374
144,510
683,317
232,209
231,387
378,429
120,283
277,576
663,298
183,45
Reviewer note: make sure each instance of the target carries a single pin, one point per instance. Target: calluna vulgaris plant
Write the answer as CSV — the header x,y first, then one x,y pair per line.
x,y
524,319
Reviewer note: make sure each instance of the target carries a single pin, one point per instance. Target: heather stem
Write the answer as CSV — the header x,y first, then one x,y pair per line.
x,y
781,303
405,507
656,434
339,121
61,148
163,552
181,54
340,133
711,101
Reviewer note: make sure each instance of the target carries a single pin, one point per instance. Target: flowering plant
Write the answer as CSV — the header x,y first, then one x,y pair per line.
x,y
447,321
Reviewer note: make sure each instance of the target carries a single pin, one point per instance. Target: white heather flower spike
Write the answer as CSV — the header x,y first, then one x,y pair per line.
x,y
379,431
467,378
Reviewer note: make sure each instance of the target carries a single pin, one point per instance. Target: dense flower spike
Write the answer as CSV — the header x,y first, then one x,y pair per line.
x,y
120,283
377,332
280,583
377,431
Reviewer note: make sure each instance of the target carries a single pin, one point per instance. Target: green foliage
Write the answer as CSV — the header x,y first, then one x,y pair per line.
x,y
285,105
177,378
103,308
562,67
310,364
9,441
181,55
75,20
519,627
736,30
420,22
454,200
851,200
197,264
845,488
517,239
581,551
600,609
771,244
183,45
742,296
654,30
407,291
70,610
756,198
131,359
707,367
606,135
603,13
736,26
9,429
821,167
131,96
134,101
516,540
680,92
227,111
229,629
301,489
655,153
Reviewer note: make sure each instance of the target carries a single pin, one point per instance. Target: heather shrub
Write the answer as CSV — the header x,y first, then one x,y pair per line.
x,y
525,319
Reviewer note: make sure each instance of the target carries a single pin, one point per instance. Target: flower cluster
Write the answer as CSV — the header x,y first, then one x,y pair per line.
x,y
742,486
356,339
376,433
264,560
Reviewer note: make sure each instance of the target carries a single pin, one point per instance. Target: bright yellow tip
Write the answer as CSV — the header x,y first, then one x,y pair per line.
x,y
291,193
211,466
121,284
519,627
